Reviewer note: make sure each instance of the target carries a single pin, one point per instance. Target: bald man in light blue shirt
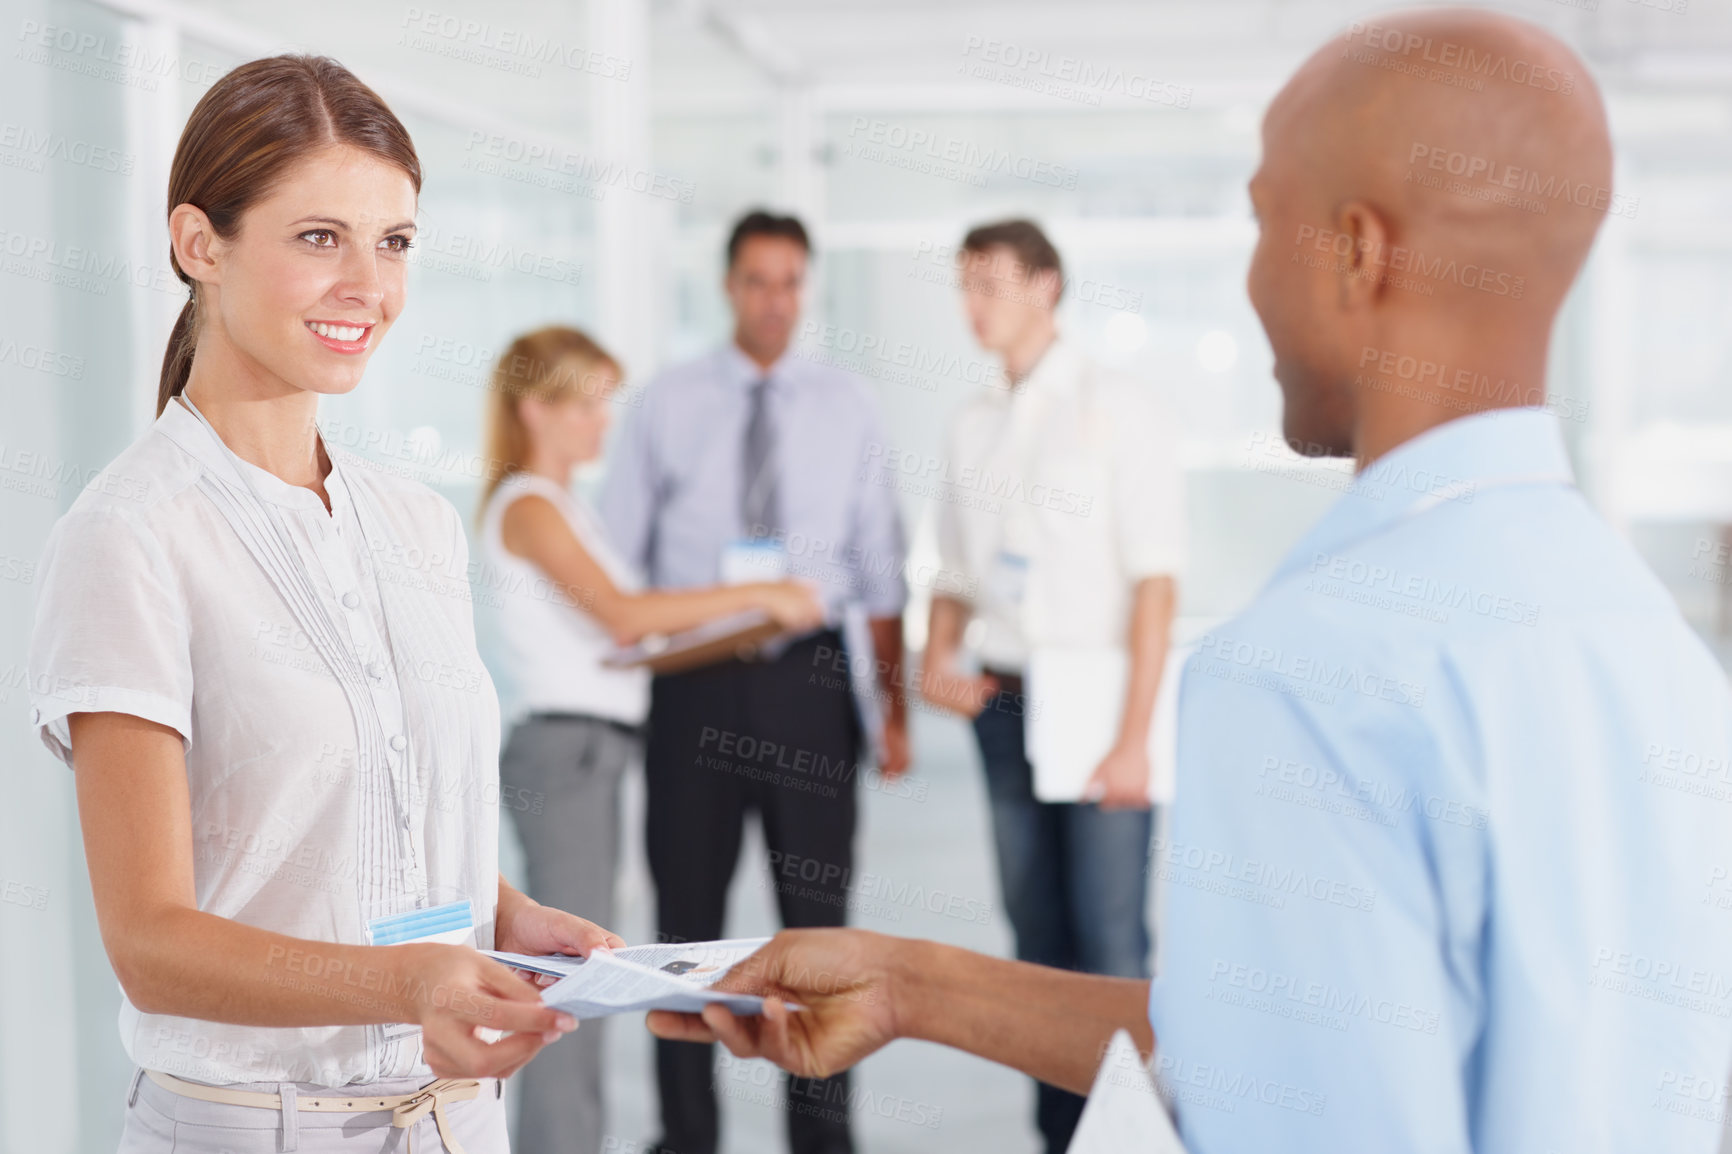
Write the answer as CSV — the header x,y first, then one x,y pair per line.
x,y
1439,861
1452,819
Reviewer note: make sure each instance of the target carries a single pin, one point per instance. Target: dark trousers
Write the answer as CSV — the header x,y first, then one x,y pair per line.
x,y
1074,879
780,737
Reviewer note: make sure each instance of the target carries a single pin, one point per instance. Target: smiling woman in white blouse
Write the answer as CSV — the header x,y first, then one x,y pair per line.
x,y
258,658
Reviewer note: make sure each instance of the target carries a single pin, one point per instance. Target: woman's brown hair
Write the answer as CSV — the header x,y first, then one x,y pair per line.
x,y
547,364
243,136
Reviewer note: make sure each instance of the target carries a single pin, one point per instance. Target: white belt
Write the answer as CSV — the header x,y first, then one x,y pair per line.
x,y
406,1109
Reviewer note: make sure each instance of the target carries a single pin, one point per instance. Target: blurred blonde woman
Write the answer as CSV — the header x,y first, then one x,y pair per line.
x,y
564,599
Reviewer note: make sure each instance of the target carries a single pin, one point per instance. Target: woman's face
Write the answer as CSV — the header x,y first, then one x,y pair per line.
x,y
317,271
573,427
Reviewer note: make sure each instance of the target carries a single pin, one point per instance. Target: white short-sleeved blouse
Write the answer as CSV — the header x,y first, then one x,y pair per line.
x,y
153,603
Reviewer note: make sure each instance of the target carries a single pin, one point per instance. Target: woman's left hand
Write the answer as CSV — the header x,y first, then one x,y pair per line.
x,y
536,929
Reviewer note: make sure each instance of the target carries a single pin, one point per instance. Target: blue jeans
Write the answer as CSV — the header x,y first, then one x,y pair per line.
x,y
1074,879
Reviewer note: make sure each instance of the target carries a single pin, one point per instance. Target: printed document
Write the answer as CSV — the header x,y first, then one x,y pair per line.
x,y
653,977
1124,1113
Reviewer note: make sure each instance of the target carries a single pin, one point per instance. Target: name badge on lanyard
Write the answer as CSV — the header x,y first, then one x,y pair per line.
x,y
745,562
452,923
1008,580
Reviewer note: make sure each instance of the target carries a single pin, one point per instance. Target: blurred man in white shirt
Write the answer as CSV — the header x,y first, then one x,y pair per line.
x,y
1064,509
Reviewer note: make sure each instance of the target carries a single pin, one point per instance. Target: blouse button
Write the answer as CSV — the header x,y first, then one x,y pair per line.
x,y
397,742
375,670
350,600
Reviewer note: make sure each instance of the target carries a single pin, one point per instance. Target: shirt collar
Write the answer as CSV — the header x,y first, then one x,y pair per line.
x,y
742,370
1056,372
1454,461
191,434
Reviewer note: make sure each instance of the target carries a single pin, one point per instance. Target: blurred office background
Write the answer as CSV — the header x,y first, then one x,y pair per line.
x,y
583,161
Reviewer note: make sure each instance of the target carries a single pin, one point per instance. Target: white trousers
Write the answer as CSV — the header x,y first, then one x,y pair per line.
x,y
159,1121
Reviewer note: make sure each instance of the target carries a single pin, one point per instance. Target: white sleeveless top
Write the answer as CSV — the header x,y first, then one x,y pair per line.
x,y
545,650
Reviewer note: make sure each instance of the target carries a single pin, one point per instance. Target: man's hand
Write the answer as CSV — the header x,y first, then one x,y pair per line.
x,y
958,692
1121,781
896,755
861,990
845,979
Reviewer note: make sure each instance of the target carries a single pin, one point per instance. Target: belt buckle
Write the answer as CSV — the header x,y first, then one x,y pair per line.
x,y
416,1107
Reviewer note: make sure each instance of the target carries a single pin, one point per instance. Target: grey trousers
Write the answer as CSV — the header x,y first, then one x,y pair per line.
x,y
563,775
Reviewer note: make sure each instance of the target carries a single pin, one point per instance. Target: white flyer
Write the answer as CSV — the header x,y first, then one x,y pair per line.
x,y
1124,1113
651,977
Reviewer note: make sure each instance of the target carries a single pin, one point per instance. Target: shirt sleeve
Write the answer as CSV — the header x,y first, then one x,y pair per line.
x,y
627,502
958,580
111,629
878,535
1149,487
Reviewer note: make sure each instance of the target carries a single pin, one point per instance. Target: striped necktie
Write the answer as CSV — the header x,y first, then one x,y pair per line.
x,y
760,506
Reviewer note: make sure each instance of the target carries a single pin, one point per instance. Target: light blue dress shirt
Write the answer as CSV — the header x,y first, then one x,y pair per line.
x,y
1448,864
671,499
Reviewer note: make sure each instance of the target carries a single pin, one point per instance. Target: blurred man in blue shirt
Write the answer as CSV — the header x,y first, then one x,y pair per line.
x,y
1451,793
754,463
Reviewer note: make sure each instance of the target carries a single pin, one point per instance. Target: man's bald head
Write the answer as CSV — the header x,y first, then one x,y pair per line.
x,y
1431,184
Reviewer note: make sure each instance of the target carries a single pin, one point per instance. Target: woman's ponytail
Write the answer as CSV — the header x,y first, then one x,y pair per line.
x,y
243,135
177,359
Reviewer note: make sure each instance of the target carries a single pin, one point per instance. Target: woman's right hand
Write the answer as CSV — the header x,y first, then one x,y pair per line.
x,y
451,991
794,605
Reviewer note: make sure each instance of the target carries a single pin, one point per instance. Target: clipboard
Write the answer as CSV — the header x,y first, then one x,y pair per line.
x,y
734,635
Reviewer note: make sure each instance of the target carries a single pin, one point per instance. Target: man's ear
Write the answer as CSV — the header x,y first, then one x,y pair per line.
x,y
1364,275
1050,285
195,244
